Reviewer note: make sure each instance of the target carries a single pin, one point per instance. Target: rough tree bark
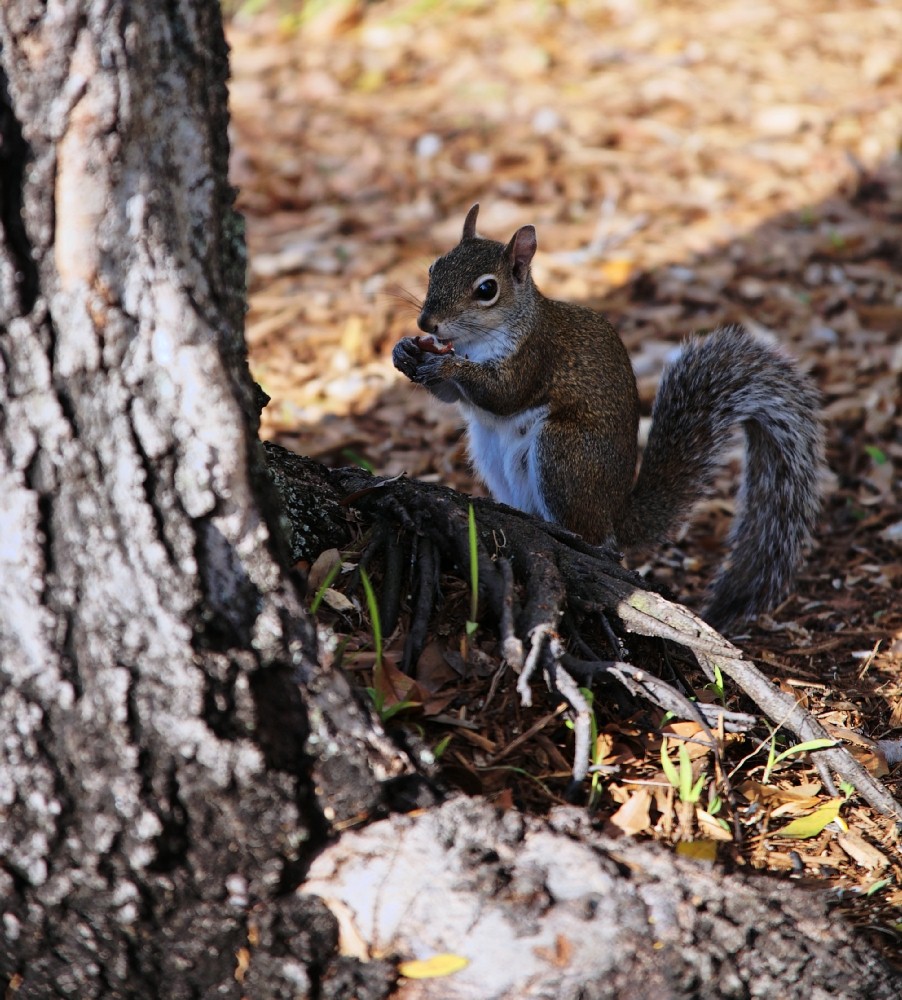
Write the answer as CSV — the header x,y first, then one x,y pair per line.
x,y
154,779
173,757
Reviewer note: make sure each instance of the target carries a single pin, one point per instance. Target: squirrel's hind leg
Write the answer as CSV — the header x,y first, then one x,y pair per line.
x,y
581,477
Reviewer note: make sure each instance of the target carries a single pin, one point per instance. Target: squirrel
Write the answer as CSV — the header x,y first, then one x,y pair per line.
x,y
552,410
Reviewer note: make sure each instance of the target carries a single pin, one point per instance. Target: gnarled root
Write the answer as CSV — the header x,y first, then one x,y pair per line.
x,y
533,577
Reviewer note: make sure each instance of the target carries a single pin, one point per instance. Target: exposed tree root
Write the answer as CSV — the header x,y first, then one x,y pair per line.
x,y
544,588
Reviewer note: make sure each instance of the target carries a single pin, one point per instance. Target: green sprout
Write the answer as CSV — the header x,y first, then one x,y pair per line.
x,y
717,685
682,779
472,624
373,608
773,758
324,586
386,712
358,460
878,886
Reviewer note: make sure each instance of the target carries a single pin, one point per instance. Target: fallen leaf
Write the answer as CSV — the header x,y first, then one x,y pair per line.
x,y
394,685
337,601
860,851
560,955
434,967
709,826
698,850
433,671
633,816
321,568
617,270
804,796
243,963
814,823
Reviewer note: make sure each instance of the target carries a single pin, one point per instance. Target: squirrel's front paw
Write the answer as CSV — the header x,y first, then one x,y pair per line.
x,y
422,366
427,368
407,357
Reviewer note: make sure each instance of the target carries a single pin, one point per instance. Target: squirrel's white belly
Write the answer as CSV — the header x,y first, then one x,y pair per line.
x,y
504,452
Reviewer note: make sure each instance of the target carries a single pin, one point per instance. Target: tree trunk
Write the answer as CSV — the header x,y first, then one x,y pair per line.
x,y
174,752
154,780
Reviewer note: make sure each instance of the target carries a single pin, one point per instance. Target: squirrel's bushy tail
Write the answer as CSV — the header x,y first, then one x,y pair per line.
x,y
719,383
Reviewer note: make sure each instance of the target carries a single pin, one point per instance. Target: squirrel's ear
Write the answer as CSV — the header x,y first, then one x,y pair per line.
x,y
470,223
521,250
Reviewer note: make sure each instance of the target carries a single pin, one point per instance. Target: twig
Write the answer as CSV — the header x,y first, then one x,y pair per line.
x,y
560,680
511,646
527,734
352,498
537,638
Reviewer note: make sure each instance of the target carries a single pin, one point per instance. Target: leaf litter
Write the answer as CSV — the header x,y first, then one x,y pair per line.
x,y
686,165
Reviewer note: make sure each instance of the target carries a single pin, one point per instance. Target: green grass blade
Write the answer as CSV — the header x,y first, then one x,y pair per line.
x,y
324,586
373,608
668,766
685,774
821,744
474,565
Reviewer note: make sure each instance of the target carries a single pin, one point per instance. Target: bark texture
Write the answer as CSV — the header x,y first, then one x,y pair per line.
x,y
550,909
160,777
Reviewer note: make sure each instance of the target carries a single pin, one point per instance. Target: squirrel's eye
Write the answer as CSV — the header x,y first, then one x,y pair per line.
x,y
485,291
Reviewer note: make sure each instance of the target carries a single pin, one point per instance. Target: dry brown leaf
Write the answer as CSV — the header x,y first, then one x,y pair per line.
x,y
634,816
861,852
337,601
323,565
804,796
709,827
393,686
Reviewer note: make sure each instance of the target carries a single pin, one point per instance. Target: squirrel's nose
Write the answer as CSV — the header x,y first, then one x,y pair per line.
x,y
427,322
